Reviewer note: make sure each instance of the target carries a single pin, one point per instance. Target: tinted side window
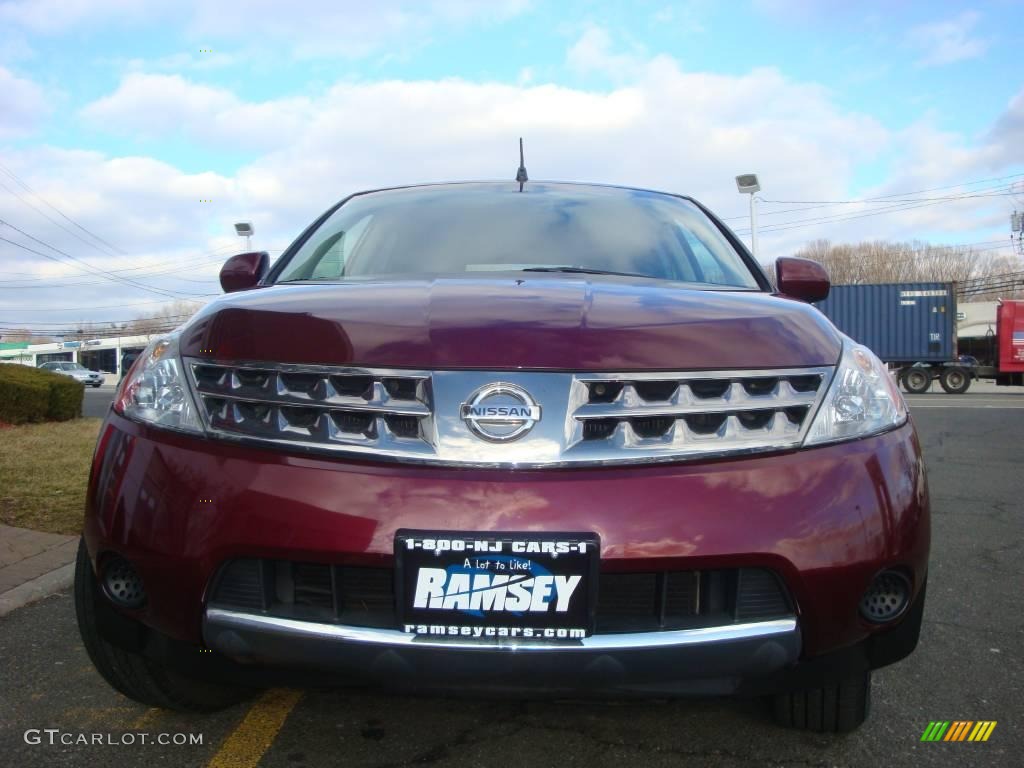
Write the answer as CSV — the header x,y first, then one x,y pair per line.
x,y
333,254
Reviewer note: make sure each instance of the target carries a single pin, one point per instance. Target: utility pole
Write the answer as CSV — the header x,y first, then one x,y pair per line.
x,y
748,184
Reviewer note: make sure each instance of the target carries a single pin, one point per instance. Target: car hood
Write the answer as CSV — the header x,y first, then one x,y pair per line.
x,y
577,322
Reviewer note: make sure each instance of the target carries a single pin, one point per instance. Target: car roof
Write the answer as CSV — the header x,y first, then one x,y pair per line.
x,y
513,186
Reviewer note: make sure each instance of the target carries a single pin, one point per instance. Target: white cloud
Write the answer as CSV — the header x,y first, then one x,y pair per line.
x,y
56,16
1007,135
682,17
592,54
22,103
949,41
662,127
346,29
666,128
150,106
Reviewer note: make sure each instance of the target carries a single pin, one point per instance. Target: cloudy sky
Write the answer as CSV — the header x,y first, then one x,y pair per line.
x,y
132,134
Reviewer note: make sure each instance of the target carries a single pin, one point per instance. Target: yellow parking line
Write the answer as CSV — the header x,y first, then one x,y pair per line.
x,y
244,747
147,719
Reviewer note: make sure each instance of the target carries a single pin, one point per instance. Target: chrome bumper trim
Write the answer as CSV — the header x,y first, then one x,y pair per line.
x,y
639,641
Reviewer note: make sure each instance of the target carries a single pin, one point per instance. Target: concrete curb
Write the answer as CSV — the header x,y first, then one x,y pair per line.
x,y
37,589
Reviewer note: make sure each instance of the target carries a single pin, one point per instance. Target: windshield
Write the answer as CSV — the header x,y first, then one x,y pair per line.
x,y
73,367
463,228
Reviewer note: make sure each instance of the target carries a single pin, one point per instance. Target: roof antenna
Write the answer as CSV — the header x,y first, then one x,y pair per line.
x,y
521,176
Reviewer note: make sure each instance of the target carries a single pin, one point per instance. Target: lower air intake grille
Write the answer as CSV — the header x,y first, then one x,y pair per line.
x,y
760,596
626,602
241,585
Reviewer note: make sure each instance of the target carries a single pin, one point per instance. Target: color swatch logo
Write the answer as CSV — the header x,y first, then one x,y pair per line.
x,y
958,730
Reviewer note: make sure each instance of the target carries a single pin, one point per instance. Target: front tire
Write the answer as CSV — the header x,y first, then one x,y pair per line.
x,y
140,678
837,708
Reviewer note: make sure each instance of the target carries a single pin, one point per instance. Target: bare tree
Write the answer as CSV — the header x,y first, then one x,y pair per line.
x,y
24,334
915,262
167,317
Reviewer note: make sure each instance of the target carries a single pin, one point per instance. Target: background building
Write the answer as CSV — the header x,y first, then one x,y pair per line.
x,y
104,355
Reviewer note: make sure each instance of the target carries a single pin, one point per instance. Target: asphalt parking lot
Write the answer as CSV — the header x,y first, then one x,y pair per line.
x,y
969,666
97,401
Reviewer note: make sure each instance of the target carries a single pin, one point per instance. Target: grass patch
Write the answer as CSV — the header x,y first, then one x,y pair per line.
x,y
44,469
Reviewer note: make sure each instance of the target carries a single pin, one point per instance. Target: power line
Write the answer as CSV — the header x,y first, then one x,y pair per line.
x,y
9,284
99,272
1001,190
67,218
170,321
56,223
930,250
1019,273
888,198
66,323
110,306
111,249
1009,287
214,254
839,217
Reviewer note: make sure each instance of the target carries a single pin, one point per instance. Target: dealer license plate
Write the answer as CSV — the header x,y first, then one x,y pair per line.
x,y
496,586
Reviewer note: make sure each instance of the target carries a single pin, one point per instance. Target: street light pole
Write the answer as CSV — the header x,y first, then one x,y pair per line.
x,y
245,229
747,184
753,226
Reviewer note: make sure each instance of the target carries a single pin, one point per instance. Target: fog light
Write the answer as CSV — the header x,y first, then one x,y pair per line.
x,y
886,598
122,584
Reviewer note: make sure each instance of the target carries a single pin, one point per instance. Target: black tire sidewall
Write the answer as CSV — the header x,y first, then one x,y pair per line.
x,y
949,386
143,679
909,375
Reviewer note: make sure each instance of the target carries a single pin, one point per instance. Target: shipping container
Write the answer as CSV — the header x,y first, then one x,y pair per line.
x,y
902,323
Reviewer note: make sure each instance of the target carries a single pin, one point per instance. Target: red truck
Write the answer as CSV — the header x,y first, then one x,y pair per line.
x,y
1001,358
1009,365
508,437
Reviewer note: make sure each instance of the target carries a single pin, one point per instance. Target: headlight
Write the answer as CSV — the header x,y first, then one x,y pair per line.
x,y
155,390
863,399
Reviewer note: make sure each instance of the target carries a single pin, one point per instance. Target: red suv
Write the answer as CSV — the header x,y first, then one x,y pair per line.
x,y
510,438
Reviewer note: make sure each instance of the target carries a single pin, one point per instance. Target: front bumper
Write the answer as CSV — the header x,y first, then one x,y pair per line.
x,y
711,660
827,520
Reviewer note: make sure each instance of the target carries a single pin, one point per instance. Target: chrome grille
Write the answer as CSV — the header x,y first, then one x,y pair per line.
x,y
414,416
381,412
693,413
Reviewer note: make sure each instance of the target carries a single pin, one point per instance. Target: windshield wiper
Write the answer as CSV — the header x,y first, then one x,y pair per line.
x,y
309,279
587,271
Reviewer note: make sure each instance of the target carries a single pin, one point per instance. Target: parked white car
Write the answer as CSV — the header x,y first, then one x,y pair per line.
x,y
76,371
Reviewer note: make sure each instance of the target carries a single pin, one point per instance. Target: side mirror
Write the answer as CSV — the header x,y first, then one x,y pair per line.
x,y
801,279
244,271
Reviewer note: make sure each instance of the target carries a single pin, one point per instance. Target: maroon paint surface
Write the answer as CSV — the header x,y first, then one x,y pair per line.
x,y
827,519
578,322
